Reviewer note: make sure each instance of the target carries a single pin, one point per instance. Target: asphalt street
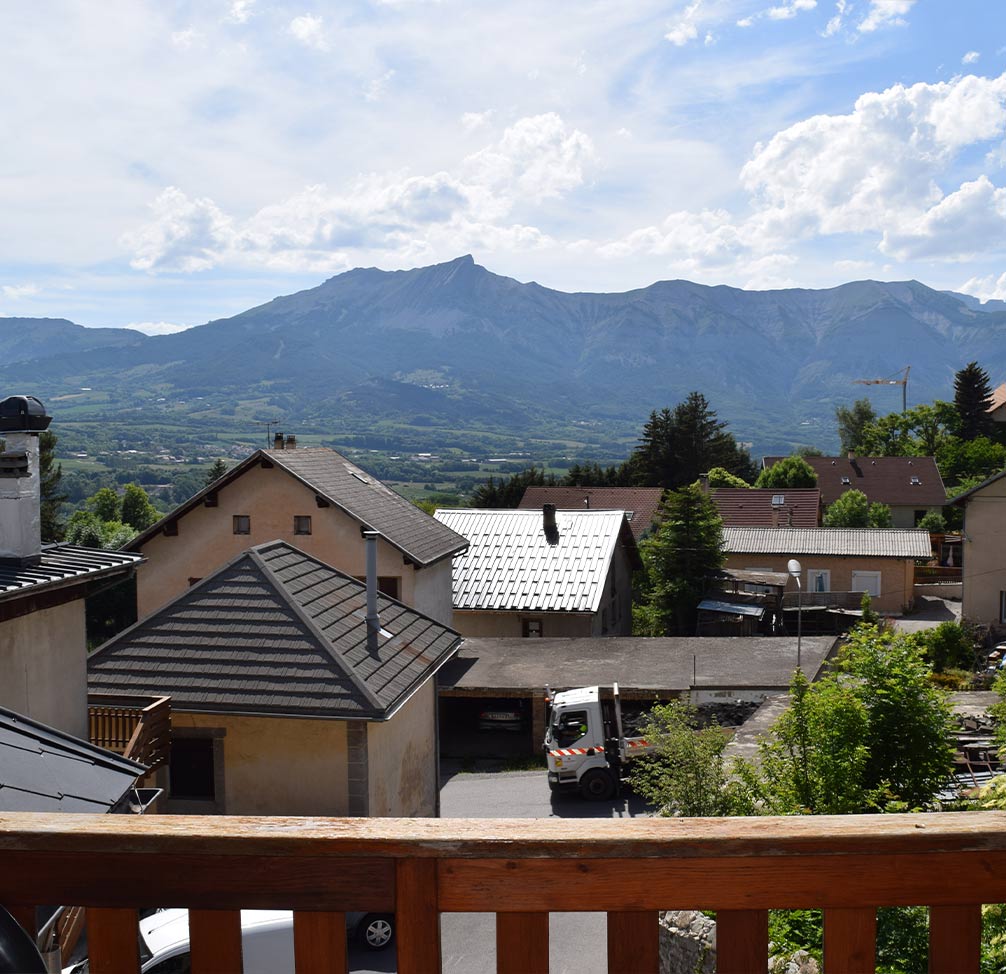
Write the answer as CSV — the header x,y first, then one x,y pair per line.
x,y
577,941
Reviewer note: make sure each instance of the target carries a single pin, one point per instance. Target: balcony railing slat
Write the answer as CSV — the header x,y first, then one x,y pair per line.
x,y
633,942
741,941
417,916
112,945
319,942
955,934
521,943
215,941
850,941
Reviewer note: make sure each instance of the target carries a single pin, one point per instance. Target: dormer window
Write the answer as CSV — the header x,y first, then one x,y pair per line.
x,y
915,481
778,500
846,480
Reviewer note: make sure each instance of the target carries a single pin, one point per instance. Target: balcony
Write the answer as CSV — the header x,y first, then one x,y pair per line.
x,y
519,869
138,728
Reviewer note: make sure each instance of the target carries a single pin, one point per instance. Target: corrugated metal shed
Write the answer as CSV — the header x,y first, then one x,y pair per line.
x,y
45,770
862,542
510,564
60,564
275,631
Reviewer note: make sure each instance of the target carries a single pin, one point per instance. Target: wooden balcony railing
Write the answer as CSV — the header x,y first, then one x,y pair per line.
x,y
931,574
135,727
828,600
520,870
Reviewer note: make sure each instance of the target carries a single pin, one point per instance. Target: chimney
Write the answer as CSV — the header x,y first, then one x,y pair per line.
x,y
549,524
22,418
373,619
277,441
851,455
291,442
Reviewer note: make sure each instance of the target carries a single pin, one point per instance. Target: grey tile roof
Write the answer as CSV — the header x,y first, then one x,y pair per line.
x,y
864,542
62,564
344,485
275,631
45,770
510,565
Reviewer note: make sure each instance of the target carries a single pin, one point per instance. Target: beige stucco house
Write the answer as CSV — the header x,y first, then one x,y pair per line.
x,y
543,573
878,561
315,499
285,699
983,596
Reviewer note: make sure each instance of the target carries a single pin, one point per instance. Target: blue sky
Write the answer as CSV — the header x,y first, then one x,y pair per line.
x,y
168,163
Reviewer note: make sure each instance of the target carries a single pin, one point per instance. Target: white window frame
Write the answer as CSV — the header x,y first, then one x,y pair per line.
x,y
876,575
811,572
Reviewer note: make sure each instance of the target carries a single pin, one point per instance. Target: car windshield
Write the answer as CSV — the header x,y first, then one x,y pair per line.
x,y
569,727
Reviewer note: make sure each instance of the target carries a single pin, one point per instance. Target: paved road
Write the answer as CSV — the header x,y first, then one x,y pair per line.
x,y
577,941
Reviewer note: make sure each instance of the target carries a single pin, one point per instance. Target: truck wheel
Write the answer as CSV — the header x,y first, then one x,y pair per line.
x,y
597,785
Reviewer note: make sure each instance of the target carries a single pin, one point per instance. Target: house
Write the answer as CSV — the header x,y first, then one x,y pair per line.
x,y
543,573
998,407
763,507
295,689
910,486
983,578
640,504
43,638
835,560
314,498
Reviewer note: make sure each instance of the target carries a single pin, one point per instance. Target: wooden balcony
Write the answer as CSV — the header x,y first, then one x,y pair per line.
x,y
135,727
933,574
518,869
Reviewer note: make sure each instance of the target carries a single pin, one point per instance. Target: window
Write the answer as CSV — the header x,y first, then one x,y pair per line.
x,y
915,482
242,523
531,628
570,727
170,529
1002,606
846,480
818,580
389,585
778,500
210,500
918,516
191,769
301,524
868,582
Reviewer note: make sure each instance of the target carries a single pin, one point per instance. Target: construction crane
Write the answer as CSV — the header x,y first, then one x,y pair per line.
x,y
892,381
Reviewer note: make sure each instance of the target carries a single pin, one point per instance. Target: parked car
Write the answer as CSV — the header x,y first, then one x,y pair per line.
x,y
507,717
266,940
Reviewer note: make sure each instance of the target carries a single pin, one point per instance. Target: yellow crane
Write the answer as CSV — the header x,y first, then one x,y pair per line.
x,y
892,381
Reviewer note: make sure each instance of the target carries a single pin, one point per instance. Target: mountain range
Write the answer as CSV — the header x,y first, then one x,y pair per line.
x,y
454,347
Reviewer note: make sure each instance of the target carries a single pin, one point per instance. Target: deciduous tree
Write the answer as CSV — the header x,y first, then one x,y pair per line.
x,y
852,510
851,422
789,472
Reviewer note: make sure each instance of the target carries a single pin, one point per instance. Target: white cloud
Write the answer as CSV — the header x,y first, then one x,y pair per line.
x,y
184,39
310,31
686,27
885,13
240,11
376,89
786,11
970,58
988,288
475,120
745,22
156,327
15,292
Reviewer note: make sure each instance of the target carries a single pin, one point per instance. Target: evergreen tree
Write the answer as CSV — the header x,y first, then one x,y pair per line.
x,y
217,469
851,422
508,491
972,399
50,474
685,549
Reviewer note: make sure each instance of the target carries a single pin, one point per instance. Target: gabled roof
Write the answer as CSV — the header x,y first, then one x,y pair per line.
x,y
62,565
639,503
46,770
767,507
884,480
275,631
862,542
977,487
510,564
998,398
345,486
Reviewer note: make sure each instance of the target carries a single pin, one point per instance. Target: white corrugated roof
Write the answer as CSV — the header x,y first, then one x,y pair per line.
x,y
510,565
864,542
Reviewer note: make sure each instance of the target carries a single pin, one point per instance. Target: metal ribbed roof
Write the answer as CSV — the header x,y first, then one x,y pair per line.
x,y
60,564
510,564
640,504
275,631
863,542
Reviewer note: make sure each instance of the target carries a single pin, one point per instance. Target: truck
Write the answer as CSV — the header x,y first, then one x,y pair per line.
x,y
586,748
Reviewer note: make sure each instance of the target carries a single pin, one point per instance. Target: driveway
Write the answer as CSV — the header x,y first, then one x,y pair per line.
x,y
930,614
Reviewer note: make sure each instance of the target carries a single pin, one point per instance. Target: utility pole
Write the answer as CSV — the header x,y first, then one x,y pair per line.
x,y
268,424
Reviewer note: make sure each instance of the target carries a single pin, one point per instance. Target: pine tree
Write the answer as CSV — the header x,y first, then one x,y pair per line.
x,y
217,469
851,421
50,474
972,399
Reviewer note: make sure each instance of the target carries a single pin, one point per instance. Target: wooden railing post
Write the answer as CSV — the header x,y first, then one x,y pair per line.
x,y
319,943
741,941
521,943
955,939
633,942
215,941
417,916
112,945
850,941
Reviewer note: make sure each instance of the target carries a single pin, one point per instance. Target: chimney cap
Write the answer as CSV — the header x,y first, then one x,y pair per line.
x,y
23,414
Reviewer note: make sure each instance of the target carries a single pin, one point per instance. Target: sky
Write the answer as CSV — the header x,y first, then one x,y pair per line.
x,y
169,163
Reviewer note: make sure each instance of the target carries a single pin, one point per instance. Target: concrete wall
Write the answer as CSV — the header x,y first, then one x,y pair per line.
x,y
274,765
43,667
904,517
272,498
402,757
984,569
896,582
512,623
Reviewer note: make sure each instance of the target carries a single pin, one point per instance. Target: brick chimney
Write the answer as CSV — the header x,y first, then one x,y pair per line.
x,y
291,442
22,418
277,441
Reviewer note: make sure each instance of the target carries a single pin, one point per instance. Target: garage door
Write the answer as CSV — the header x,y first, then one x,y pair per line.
x,y
866,582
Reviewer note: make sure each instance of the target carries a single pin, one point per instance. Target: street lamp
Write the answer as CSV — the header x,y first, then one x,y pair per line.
x,y
795,570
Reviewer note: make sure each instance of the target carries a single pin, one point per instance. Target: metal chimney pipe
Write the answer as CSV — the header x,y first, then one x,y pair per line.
x,y
548,517
373,619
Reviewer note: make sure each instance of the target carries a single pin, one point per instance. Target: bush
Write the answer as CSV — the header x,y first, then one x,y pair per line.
x,y
934,522
950,646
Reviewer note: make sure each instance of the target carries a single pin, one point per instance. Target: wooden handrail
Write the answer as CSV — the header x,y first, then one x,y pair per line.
x,y
520,869
138,728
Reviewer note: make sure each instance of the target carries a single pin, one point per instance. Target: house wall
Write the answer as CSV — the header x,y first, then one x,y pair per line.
x,y
402,758
272,498
43,666
276,765
904,517
553,624
896,579
984,569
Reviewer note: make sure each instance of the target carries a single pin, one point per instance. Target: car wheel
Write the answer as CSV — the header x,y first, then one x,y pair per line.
x,y
376,930
597,785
